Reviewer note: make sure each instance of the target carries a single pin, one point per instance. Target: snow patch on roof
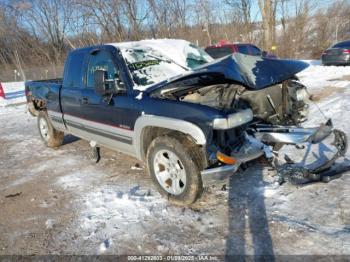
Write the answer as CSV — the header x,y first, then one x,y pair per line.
x,y
175,49
155,60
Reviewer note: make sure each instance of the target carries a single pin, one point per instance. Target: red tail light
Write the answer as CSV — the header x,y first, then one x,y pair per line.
x,y
346,51
2,93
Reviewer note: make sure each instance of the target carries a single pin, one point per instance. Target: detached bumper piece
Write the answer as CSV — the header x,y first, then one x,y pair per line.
x,y
218,175
327,172
292,135
294,173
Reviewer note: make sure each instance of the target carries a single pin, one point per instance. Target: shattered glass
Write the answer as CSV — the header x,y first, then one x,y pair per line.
x,y
149,66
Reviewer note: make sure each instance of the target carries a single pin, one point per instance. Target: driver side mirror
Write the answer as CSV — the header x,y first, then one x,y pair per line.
x,y
100,81
105,86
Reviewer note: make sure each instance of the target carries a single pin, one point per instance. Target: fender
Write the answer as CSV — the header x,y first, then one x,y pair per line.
x,y
165,122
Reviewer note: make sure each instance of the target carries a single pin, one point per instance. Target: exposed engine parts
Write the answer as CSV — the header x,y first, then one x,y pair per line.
x,y
282,104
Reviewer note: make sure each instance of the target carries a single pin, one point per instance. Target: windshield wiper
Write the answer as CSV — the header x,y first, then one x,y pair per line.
x,y
160,58
168,60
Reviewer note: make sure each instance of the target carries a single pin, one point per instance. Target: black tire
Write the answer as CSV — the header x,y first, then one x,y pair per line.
x,y
50,136
188,155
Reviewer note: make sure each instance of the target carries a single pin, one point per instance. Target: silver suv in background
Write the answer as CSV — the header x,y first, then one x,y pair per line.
x,y
338,54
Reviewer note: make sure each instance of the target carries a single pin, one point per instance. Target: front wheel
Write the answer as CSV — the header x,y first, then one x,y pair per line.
x,y
173,168
50,136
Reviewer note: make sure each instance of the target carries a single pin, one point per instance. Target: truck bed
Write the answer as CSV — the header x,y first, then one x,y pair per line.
x,y
41,88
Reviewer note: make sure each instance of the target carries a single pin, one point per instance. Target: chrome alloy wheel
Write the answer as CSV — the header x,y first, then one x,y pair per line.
x,y
44,129
170,172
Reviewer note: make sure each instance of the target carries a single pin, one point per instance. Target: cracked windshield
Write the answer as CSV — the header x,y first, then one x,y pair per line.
x,y
149,66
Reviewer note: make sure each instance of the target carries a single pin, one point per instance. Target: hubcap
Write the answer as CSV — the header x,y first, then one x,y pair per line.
x,y
170,172
44,131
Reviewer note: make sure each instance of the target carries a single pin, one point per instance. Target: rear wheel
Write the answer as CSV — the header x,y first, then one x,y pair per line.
x,y
50,136
173,168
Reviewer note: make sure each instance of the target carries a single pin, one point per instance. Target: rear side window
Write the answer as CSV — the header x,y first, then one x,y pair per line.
x,y
345,44
243,49
73,70
218,52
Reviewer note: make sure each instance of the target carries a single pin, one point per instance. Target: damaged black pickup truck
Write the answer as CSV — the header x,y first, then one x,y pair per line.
x,y
194,121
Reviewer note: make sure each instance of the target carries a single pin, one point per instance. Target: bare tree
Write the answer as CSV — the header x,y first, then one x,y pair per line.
x,y
244,10
106,15
49,21
136,13
204,13
268,14
168,18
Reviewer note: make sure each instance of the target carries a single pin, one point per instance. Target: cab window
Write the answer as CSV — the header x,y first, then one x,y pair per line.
x,y
255,51
243,49
73,70
101,60
218,52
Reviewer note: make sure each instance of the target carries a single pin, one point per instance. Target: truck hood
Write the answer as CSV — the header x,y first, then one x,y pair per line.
x,y
253,72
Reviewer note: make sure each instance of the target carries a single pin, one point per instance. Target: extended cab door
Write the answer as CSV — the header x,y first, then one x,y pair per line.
x,y
71,88
106,119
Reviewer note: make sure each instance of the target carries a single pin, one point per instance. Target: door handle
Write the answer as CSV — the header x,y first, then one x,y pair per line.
x,y
84,100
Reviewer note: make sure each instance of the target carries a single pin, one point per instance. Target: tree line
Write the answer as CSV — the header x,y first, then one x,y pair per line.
x,y
36,35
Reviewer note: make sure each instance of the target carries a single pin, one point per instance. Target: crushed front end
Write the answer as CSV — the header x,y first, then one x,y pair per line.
x,y
266,107
265,121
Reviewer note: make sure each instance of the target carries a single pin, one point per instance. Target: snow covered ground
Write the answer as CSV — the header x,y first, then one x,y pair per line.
x,y
317,76
68,204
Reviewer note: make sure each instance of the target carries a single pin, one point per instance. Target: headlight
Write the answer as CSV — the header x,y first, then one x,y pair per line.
x,y
233,120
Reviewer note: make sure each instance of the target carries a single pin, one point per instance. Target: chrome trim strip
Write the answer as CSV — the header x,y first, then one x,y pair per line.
x,y
112,137
54,113
57,119
121,138
99,126
112,144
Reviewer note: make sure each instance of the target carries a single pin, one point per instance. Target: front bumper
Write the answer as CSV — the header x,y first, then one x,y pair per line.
x,y
250,150
218,175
